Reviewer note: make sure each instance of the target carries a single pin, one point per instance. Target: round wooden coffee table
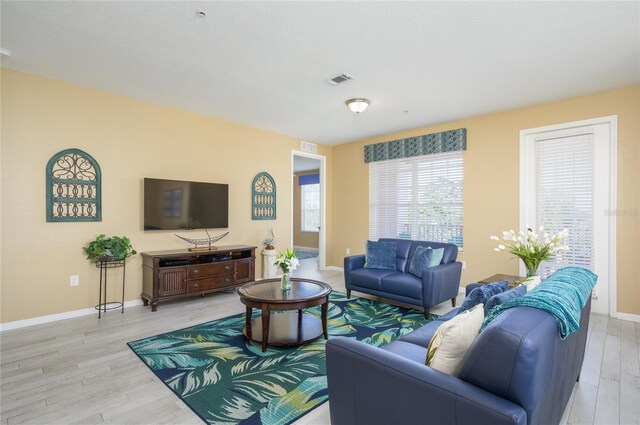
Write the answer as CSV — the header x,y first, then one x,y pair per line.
x,y
285,329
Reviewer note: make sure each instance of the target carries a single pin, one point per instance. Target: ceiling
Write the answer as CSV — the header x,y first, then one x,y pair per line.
x,y
266,64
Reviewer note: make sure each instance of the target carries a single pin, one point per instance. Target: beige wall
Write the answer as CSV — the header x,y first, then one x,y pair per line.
x,y
131,140
491,184
300,238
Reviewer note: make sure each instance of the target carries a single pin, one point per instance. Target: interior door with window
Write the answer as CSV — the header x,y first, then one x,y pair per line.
x,y
565,184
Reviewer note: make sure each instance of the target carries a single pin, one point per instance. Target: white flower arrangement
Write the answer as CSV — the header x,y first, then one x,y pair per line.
x,y
531,247
287,261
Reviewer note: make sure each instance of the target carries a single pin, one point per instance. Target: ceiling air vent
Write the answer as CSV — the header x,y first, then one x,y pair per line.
x,y
342,78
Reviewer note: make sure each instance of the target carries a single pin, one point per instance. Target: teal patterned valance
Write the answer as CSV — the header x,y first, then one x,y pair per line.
x,y
446,141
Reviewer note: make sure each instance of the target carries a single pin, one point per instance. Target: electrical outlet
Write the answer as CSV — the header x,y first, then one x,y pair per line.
x,y
348,251
74,280
464,265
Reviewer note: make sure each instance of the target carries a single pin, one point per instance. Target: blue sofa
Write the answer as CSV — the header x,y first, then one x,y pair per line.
x,y
517,371
438,284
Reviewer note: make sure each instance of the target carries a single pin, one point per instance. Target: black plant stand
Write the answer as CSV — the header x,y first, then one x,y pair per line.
x,y
104,264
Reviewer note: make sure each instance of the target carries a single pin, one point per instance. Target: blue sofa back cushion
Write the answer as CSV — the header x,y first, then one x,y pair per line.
x,y
503,297
381,255
420,261
481,294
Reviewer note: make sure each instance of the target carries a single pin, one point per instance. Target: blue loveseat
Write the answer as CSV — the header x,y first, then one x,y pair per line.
x,y
438,284
517,371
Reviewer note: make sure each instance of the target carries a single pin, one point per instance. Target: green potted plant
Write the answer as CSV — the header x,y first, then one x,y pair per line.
x,y
114,248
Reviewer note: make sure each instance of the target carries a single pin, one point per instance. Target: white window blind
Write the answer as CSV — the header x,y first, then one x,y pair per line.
x,y
310,196
417,198
564,197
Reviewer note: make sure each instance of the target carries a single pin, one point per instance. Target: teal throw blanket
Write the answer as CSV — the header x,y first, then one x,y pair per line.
x,y
564,295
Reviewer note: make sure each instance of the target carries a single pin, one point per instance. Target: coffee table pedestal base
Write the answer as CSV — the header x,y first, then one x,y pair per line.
x,y
286,329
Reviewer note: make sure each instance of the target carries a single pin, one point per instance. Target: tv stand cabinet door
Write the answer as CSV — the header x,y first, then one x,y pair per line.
x,y
172,282
244,270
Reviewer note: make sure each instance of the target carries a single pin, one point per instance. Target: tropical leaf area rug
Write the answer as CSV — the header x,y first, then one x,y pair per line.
x,y
303,255
226,379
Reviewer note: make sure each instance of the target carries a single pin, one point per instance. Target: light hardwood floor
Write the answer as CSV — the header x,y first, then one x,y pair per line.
x,y
80,371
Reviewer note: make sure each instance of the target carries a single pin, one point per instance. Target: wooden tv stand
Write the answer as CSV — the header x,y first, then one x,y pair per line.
x,y
168,275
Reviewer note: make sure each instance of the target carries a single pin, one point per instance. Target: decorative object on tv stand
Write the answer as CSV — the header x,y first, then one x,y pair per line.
x,y
74,190
287,262
208,241
269,257
109,253
263,197
531,247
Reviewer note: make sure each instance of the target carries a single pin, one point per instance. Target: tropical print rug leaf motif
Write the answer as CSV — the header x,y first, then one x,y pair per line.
x,y
227,380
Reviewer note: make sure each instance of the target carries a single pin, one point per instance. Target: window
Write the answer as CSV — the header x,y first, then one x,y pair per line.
x,y
417,198
310,196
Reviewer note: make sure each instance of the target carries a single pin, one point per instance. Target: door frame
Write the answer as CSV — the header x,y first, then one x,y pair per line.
x,y
526,167
322,234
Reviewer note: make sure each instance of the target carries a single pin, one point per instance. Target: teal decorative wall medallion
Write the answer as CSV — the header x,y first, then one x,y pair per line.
x,y
445,141
74,187
263,197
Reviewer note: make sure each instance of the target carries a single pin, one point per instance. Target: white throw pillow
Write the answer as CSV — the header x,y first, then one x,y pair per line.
x,y
452,340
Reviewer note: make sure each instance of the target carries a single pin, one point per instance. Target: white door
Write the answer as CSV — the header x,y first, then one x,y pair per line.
x,y
566,183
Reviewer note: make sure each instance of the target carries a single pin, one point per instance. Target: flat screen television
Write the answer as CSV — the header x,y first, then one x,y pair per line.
x,y
175,204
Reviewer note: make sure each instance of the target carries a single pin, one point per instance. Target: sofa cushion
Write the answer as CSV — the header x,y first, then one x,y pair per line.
x,y
481,294
407,350
503,297
450,250
381,255
422,335
420,261
452,340
369,278
436,257
404,284
402,253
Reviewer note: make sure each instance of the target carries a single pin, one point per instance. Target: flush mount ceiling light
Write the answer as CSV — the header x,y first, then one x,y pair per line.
x,y
357,105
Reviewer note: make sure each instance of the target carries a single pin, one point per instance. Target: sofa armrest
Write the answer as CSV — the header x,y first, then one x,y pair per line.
x,y
370,386
351,263
440,283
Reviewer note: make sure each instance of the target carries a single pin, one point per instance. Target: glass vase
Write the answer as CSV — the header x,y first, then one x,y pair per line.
x,y
285,283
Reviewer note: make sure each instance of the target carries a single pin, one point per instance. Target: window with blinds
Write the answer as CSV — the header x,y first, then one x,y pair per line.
x,y
417,198
310,200
564,187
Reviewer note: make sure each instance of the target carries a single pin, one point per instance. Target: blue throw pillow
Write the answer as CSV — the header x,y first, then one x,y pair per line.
x,y
481,294
420,260
503,297
436,256
381,255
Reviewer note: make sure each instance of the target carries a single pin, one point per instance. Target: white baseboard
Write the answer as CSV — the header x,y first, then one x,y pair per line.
x,y
306,248
336,268
628,316
58,316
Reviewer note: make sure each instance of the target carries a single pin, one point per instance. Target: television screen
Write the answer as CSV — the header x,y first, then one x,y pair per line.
x,y
174,204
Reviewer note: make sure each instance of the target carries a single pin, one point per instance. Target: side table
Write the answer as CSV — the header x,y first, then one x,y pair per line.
x,y
104,264
499,277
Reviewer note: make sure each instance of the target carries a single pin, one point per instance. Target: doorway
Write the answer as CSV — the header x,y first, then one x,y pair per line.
x,y
308,208
568,181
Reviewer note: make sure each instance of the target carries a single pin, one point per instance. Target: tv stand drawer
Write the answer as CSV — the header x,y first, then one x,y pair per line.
x,y
210,283
210,270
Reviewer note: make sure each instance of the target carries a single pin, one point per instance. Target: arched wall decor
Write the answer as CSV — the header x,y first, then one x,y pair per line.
x,y
263,197
74,187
